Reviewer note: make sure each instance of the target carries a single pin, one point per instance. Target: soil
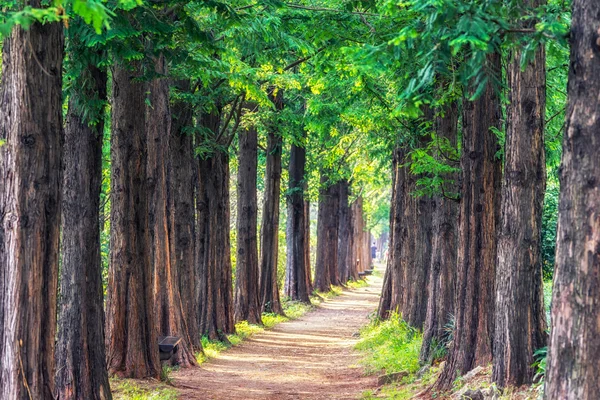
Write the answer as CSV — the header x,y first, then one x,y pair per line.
x,y
308,358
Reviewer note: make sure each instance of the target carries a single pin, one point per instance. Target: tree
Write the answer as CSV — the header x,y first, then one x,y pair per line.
x,y
327,240
344,236
247,293
269,235
131,331
574,339
31,133
520,323
81,371
479,209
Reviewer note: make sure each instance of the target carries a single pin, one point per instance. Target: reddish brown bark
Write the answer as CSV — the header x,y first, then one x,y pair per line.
x,y
30,182
327,228
574,351
344,234
479,215
307,267
131,331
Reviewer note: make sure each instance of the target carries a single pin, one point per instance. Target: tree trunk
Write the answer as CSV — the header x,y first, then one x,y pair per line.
x,y
30,182
269,246
295,272
520,318
344,237
182,230
474,307
247,293
572,368
440,303
213,241
131,334
307,269
327,232
81,371
168,306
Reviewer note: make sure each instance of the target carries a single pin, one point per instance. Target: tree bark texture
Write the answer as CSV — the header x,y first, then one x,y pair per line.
x,y
520,326
30,182
182,227
296,287
168,306
574,350
327,228
479,216
269,247
213,240
440,302
307,262
131,330
344,236
247,291
81,371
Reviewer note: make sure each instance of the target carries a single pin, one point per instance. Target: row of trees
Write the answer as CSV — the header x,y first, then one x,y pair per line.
x,y
161,100
475,236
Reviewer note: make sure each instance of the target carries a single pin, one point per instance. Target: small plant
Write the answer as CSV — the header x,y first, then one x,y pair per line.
x,y
540,356
165,374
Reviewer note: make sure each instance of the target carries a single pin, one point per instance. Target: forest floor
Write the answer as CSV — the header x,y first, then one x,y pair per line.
x,y
308,358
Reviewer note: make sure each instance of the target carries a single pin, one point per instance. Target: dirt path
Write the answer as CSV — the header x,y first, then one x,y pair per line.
x,y
308,358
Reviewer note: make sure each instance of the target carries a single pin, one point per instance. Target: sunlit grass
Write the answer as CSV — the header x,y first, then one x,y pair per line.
x,y
133,390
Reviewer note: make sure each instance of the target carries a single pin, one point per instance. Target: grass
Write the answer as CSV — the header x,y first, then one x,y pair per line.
x,y
128,389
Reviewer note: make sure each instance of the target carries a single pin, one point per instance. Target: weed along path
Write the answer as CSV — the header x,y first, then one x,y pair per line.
x,y
308,358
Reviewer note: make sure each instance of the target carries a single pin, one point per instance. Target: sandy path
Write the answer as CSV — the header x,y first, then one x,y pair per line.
x,y
309,358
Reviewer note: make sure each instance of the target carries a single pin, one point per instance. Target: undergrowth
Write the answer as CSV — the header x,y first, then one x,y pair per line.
x,y
140,390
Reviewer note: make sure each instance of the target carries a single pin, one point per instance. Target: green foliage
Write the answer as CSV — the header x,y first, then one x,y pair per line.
x,y
133,390
390,345
541,357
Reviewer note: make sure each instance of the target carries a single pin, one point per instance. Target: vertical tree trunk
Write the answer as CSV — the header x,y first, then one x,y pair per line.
x,y
269,245
295,272
30,182
572,369
520,318
81,371
344,237
440,303
182,228
474,308
131,334
327,228
307,269
247,293
168,307
213,240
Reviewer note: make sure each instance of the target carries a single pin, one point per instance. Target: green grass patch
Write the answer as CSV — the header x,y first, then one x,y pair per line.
x,y
333,292
127,389
357,284
390,346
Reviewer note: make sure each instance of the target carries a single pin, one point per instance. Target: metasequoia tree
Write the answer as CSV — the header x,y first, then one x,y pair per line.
x,y
269,234
572,370
31,133
520,321
479,207
131,330
80,355
344,233
327,226
247,293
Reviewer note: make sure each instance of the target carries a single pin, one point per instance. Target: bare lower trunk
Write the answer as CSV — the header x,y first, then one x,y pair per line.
x,y
474,312
247,293
295,272
520,318
344,237
80,354
572,368
327,228
30,181
131,334
307,268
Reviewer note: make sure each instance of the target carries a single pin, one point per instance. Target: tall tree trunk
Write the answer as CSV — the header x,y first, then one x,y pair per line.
x,y
182,228
30,182
247,291
572,369
131,334
307,269
213,240
168,307
269,247
440,303
327,229
479,209
295,272
81,371
344,237
520,318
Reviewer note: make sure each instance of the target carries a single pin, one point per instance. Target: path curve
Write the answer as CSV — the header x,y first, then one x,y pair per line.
x,y
308,358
